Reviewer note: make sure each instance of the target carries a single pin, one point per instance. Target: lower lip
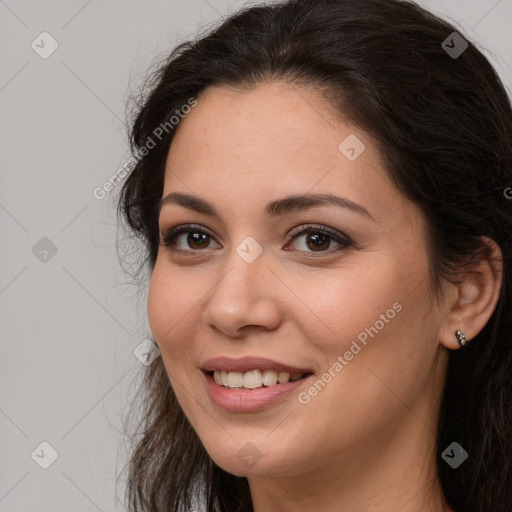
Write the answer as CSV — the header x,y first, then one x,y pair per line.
x,y
250,400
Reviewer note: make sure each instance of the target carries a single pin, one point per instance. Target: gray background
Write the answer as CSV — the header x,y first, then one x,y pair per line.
x,y
70,321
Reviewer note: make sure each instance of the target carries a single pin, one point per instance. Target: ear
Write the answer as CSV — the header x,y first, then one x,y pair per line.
x,y
471,302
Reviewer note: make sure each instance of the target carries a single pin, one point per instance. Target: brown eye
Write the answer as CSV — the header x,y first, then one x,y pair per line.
x,y
196,238
319,239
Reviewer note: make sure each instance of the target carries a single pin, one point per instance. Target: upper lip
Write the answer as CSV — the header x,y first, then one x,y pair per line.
x,y
246,364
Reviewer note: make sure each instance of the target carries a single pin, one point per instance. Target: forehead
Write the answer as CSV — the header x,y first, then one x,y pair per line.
x,y
276,118
246,147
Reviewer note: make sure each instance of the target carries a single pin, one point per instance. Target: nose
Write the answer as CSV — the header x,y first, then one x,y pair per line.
x,y
245,298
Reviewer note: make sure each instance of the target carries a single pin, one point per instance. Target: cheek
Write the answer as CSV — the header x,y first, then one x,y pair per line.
x,y
375,320
353,306
387,345
159,305
167,317
169,304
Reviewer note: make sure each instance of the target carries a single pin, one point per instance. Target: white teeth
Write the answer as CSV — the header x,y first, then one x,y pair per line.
x,y
283,377
254,379
235,379
269,378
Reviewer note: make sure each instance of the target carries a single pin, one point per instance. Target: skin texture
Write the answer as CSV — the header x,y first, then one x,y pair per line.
x,y
366,441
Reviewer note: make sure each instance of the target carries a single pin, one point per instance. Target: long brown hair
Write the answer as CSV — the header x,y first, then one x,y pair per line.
x,y
443,123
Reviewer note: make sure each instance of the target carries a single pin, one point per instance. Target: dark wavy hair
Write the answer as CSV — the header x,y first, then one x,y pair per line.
x,y
443,125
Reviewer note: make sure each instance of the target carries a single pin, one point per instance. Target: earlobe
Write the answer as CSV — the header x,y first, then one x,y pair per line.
x,y
473,300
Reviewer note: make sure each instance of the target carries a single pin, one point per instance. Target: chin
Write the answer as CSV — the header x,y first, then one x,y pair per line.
x,y
248,467
257,458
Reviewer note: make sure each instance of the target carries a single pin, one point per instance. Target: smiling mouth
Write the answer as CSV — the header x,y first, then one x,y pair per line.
x,y
254,379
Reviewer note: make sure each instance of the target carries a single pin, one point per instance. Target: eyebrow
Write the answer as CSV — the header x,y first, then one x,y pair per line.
x,y
272,209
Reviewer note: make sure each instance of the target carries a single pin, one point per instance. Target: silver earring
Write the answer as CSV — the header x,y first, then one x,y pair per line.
x,y
461,338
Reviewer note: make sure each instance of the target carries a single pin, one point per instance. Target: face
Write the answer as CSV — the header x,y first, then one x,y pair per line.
x,y
335,293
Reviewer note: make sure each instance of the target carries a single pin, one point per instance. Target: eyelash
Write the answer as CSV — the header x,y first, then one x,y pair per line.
x,y
167,238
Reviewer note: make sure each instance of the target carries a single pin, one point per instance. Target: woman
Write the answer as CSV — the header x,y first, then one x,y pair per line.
x,y
321,190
